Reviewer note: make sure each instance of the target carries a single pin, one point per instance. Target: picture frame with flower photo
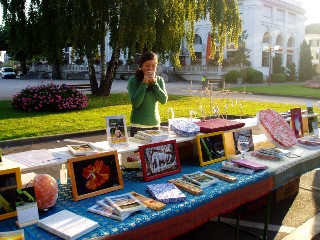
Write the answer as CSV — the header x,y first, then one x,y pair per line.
x,y
95,174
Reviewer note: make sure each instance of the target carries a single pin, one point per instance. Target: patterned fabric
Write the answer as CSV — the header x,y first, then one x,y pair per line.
x,y
220,197
276,128
184,128
218,124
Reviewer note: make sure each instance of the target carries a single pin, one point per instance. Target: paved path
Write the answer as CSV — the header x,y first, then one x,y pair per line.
x,y
9,87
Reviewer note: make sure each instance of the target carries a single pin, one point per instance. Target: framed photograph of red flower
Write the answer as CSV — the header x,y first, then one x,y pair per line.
x,y
159,159
94,174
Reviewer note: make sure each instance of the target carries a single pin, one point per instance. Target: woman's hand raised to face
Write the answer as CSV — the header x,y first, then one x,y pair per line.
x,y
149,77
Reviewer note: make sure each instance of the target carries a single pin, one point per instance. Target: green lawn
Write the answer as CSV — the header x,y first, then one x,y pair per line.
x,y
294,90
18,124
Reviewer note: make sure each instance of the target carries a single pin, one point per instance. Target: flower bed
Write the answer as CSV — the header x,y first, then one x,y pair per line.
x,y
312,84
50,97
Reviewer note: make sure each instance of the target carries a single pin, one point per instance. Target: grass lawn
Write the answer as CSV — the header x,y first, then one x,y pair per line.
x,y
293,90
18,124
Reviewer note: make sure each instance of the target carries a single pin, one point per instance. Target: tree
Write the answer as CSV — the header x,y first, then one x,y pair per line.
x,y
277,65
140,25
306,70
291,72
243,53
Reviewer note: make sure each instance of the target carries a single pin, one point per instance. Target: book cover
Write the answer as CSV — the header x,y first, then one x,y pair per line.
x,y
82,149
107,212
125,203
249,164
166,192
201,179
232,167
243,134
68,225
296,121
107,205
154,135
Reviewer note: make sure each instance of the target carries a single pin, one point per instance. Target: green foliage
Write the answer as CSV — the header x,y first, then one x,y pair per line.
x,y
252,75
50,97
306,70
231,76
278,78
291,72
243,53
313,28
277,65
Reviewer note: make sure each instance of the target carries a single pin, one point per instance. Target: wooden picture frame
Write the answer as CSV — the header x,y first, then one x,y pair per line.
x,y
211,148
82,171
10,181
117,131
159,159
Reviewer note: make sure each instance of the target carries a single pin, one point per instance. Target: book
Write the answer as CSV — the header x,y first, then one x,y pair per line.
x,y
68,225
232,167
82,149
190,188
249,164
154,135
107,212
296,120
310,143
166,192
125,203
104,203
149,202
201,179
270,153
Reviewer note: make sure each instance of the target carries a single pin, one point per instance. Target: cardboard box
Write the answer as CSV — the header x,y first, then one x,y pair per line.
x,y
261,203
289,189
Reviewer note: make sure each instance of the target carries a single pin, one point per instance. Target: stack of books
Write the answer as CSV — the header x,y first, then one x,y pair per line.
x,y
166,192
270,153
118,207
150,136
312,143
242,166
200,179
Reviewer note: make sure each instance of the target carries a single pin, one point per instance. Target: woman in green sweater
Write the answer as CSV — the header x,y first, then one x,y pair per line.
x,y
146,90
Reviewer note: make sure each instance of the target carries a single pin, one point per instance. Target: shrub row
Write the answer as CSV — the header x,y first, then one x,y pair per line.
x,y
249,75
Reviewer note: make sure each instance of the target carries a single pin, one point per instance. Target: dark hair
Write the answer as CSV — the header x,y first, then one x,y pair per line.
x,y
143,58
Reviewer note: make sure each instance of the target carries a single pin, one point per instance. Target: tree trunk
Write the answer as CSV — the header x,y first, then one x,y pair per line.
x,y
56,69
93,79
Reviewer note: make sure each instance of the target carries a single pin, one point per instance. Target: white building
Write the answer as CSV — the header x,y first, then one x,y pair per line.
x,y
268,23
314,41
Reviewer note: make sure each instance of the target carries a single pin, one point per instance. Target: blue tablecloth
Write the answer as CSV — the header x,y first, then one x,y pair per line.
x,y
143,218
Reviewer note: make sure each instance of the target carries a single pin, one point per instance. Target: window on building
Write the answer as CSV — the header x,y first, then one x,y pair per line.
x,y
290,42
314,54
280,15
291,18
266,38
265,59
314,42
267,11
279,40
289,59
197,39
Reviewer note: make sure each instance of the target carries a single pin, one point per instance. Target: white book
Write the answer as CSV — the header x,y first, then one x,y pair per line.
x,y
68,225
201,179
126,203
154,135
107,212
82,149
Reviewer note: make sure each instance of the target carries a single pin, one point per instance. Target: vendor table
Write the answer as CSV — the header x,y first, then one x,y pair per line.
x,y
181,217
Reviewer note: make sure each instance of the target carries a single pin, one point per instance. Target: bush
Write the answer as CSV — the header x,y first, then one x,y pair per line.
x,y
231,76
252,76
50,97
278,78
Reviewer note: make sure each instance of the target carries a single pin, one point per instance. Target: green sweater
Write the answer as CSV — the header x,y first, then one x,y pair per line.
x,y
144,101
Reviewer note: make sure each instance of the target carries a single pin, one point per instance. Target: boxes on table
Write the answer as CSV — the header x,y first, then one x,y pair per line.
x,y
289,189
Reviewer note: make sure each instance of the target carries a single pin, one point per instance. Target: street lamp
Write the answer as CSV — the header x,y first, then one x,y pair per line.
x,y
270,48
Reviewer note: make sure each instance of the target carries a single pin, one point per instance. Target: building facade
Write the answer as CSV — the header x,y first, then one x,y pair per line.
x,y
274,28
314,42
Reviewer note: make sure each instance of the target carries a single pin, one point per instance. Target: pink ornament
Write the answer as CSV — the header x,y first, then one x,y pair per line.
x,y
46,191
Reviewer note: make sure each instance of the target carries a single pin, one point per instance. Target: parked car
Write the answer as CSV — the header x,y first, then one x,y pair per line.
x,y
7,72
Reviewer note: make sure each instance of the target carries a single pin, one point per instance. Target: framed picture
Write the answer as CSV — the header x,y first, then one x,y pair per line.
x,y
296,122
94,174
243,134
117,131
10,181
211,148
159,159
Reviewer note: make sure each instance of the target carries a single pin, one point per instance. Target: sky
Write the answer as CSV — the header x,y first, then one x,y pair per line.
x,y
312,8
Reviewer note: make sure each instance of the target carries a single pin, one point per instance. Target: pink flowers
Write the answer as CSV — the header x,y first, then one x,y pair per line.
x,y
50,97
